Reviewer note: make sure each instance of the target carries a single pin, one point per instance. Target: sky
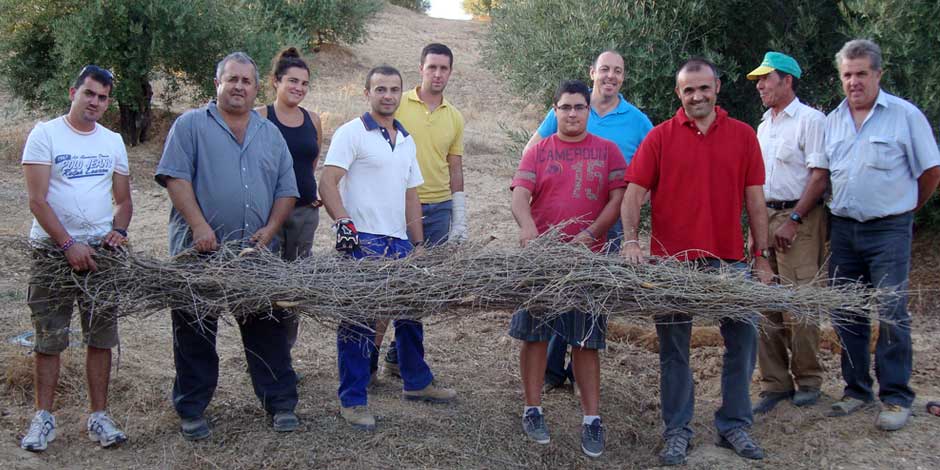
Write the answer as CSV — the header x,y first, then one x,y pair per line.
x,y
450,9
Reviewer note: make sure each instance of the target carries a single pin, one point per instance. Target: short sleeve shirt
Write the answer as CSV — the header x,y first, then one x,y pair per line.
x,y
378,174
697,185
874,170
625,126
81,175
570,182
436,134
792,145
235,184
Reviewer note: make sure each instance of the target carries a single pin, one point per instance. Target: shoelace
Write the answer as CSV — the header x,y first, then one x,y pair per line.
x,y
534,419
594,430
676,445
104,425
739,439
40,426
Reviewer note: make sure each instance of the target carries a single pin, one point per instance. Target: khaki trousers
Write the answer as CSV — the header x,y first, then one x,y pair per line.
x,y
787,345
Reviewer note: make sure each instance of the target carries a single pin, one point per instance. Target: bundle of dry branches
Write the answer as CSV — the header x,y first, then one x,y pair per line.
x,y
547,277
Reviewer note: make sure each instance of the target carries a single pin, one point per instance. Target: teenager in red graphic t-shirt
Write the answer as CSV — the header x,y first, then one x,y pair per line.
x,y
573,179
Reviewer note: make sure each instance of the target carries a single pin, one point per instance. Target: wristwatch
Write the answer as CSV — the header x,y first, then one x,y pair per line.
x,y
794,216
765,253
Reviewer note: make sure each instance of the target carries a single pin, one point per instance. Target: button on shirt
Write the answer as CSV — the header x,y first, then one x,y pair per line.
x,y
625,126
791,144
874,170
235,184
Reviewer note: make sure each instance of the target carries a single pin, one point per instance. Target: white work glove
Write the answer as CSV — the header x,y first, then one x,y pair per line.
x,y
458,218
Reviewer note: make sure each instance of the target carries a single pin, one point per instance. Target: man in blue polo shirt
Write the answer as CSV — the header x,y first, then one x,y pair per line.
x,y
613,118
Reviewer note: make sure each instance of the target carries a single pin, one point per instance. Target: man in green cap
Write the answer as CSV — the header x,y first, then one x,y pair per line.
x,y
791,140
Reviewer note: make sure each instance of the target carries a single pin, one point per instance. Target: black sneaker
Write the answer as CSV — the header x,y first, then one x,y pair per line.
x,y
769,401
674,450
741,443
806,397
592,438
533,423
195,429
285,421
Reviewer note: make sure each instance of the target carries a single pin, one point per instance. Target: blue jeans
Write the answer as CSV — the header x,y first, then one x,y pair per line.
x,y
876,253
355,344
436,225
436,222
197,363
615,237
676,388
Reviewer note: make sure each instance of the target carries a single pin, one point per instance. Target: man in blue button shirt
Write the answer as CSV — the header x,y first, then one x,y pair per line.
x,y
884,164
231,179
614,119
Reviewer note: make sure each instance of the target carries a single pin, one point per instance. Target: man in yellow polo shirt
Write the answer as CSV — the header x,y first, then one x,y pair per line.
x,y
437,129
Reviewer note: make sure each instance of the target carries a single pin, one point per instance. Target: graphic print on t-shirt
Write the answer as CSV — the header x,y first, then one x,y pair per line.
x,y
83,166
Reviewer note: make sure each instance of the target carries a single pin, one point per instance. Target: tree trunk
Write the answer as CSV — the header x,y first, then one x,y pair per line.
x,y
135,117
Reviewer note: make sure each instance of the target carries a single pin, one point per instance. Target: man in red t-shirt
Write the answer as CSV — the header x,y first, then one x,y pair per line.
x,y
701,168
574,180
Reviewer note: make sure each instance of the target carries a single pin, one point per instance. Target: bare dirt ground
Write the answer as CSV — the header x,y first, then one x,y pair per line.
x,y
472,354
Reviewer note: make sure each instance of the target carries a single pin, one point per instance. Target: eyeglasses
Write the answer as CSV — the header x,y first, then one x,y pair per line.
x,y
566,108
92,68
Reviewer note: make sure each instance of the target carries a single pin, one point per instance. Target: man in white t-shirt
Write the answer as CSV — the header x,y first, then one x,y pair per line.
x,y
371,176
74,167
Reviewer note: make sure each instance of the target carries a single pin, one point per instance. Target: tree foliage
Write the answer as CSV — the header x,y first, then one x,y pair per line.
x,y
48,41
480,8
420,6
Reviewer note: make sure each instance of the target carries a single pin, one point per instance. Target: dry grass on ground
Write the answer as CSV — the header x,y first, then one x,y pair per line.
x,y
472,354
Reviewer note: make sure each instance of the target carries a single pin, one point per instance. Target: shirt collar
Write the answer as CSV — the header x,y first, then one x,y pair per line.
x,y
790,110
881,100
254,121
371,125
720,114
622,106
412,95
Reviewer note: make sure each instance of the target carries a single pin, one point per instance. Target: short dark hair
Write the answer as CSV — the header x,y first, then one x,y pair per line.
x,y
98,74
572,87
437,48
694,64
381,70
287,59
795,82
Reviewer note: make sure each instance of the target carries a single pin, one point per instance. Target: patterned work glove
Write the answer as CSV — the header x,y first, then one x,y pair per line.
x,y
347,238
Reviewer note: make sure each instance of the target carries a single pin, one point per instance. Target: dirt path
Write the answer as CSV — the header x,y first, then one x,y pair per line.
x,y
473,354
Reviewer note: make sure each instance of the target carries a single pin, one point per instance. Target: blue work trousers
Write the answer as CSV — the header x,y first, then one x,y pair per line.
x,y
355,344
267,353
876,253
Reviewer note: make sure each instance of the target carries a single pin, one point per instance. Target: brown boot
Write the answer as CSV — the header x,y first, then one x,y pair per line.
x,y
358,417
430,394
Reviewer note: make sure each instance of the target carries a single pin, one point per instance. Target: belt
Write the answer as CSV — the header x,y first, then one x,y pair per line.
x,y
781,205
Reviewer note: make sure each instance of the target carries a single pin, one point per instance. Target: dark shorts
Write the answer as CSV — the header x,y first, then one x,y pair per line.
x,y
52,314
582,330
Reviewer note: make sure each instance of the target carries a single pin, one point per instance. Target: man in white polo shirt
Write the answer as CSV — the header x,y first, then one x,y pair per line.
x,y
74,169
370,178
791,140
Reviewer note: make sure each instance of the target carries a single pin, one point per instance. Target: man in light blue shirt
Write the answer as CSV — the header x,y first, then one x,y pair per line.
x,y
884,164
614,119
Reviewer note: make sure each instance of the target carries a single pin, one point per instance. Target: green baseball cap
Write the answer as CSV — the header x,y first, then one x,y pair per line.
x,y
776,61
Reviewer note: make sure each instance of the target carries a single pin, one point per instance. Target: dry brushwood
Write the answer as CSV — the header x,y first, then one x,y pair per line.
x,y
545,277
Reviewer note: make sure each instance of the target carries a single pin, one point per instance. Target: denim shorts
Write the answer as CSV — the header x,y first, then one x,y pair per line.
x,y
581,330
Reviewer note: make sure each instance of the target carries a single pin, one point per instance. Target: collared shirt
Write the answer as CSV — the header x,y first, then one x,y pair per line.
x,y
235,184
874,170
624,125
436,134
792,145
697,184
377,174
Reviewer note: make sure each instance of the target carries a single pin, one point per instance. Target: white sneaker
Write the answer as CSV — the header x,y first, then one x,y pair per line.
x,y
103,430
41,432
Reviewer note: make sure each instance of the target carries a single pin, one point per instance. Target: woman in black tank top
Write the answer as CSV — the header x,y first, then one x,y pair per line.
x,y
290,77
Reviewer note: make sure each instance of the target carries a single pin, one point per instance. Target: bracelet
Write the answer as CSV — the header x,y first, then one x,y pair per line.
x,y
589,232
120,231
627,242
68,244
